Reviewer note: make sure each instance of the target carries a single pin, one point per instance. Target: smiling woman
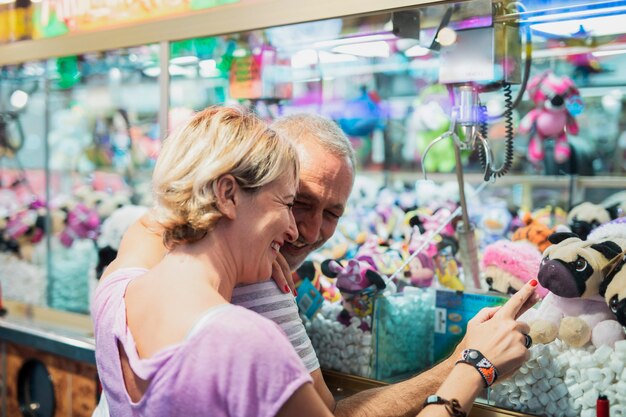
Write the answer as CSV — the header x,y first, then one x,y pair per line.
x,y
224,187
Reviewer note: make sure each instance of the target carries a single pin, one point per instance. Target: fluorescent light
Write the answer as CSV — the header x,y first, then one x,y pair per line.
x,y
178,70
330,58
304,58
416,50
366,49
355,39
608,53
19,99
208,64
184,60
582,28
208,69
152,71
446,36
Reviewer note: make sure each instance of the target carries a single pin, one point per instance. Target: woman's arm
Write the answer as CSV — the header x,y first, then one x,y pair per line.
x,y
141,246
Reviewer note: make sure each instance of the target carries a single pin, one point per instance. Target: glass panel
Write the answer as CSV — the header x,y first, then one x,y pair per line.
x,y
103,143
23,183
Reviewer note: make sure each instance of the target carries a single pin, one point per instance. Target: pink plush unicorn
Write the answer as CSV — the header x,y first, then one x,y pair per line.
x,y
551,117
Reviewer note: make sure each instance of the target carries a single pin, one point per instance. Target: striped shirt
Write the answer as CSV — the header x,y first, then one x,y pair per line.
x,y
269,301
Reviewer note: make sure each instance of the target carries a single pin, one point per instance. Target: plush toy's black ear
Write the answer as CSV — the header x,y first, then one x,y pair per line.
x,y
416,221
306,270
375,278
106,255
559,237
609,249
326,268
614,211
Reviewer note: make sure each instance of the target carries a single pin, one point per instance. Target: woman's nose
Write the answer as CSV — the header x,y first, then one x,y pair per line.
x,y
292,231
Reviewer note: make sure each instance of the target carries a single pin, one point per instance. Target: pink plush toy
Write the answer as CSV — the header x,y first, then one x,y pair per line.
x,y
551,117
509,265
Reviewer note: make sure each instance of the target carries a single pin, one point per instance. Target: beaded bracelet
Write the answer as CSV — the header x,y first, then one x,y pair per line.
x,y
453,407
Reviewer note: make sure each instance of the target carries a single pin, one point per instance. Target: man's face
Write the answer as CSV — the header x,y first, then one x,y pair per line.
x,y
325,185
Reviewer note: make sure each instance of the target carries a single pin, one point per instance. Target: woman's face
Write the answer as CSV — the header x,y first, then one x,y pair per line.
x,y
266,223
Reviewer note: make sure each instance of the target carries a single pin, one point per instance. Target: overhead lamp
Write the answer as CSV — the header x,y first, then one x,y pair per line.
x,y
609,53
416,51
240,53
580,28
19,99
152,72
355,40
332,58
184,60
366,49
304,58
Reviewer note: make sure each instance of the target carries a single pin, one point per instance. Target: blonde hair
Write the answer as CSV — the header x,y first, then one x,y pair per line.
x,y
216,142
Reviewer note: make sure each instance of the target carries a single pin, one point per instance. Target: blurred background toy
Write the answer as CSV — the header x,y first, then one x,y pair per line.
x,y
552,117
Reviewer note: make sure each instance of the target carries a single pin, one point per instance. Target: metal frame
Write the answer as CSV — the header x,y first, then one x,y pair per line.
x,y
231,18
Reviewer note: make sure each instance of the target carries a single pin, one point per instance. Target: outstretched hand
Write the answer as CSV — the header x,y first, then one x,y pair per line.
x,y
281,274
498,336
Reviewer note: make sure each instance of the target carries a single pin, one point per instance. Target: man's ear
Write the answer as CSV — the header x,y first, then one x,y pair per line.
x,y
226,190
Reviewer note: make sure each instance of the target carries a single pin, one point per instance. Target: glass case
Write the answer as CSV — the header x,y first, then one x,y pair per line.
x,y
79,136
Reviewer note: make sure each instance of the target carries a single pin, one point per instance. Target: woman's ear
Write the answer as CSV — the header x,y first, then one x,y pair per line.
x,y
226,190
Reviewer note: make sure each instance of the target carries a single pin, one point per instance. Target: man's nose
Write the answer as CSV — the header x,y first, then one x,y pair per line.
x,y
309,227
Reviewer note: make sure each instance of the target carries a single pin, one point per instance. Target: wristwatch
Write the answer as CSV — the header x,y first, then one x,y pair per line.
x,y
486,369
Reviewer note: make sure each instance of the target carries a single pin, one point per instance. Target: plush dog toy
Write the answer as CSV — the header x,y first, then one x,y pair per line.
x,y
572,271
509,265
613,288
551,117
585,217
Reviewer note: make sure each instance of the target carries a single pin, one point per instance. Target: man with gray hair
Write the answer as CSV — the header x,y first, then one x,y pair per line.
x,y
327,171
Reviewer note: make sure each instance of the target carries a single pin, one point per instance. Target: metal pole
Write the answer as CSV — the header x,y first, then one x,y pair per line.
x,y
467,241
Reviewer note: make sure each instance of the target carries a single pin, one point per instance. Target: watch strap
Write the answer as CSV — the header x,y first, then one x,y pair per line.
x,y
485,368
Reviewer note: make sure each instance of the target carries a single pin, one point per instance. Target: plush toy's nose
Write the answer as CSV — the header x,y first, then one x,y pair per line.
x,y
556,277
557,100
618,307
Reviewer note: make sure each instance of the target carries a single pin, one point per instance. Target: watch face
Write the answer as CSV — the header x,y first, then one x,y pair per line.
x,y
35,391
473,354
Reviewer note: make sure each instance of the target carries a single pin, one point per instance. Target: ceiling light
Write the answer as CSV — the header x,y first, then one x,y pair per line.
x,y
304,58
366,49
184,60
581,28
446,36
355,39
208,64
416,50
152,71
19,99
331,58
608,53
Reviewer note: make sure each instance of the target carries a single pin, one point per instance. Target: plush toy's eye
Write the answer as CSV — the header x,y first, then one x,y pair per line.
x,y
613,304
580,264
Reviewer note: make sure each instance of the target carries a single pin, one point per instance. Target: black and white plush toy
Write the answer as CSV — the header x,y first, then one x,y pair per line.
x,y
613,288
112,231
572,270
585,217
